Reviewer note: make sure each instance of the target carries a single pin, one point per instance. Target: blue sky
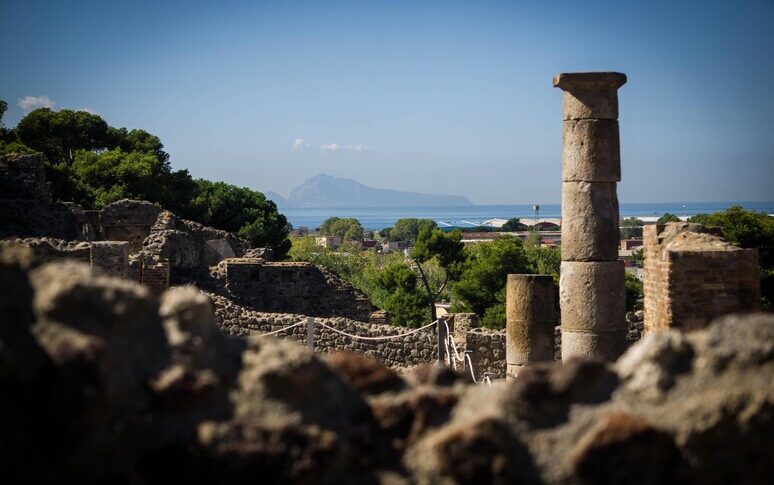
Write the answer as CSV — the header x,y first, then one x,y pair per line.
x,y
443,97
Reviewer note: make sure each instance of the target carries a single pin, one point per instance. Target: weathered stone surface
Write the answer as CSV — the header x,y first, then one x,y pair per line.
x,y
591,151
590,95
605,345
110,257
627,449
592,296
589,221
128,220
530,313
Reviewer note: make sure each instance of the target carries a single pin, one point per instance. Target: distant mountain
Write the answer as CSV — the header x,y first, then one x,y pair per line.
x,y
276,198
325,191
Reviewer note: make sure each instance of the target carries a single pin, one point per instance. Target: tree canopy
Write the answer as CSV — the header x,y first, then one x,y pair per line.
x,y
93,164
667,217
349,229
513,224
631,227
408,229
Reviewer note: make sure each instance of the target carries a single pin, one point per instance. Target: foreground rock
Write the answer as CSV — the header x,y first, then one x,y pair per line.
x,y
104,382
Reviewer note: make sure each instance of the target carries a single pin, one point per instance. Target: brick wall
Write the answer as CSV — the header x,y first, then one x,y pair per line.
x,y
692,275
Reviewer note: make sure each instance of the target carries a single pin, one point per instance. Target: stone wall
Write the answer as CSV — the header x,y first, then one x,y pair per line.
x,y
295,287
417,348
488,352
110,257
104,383
693,276
189,246
48,249
128,220
26,209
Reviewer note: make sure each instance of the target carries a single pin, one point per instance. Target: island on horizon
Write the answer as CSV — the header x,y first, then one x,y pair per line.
x,y
327,192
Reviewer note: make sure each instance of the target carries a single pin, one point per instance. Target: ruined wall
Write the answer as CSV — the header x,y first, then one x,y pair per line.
x,y
190,246
488,352
26,209
103,383
693,276
417,348
128,220
296,287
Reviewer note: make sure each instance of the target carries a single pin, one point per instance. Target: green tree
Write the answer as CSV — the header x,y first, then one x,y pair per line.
x,y
667,217
482,280
513,225
405,302
633,293
349,229
240,210
631,227
60,134
447,250
408,229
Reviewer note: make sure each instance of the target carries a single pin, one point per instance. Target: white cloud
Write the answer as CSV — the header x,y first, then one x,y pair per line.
x,y
358,148
330,146
298,144
89,110
29,103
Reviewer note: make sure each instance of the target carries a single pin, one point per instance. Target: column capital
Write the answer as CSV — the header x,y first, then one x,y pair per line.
x,y
589,81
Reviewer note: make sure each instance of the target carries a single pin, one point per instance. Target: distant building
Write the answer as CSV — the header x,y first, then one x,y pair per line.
x,y
368,243
388,246
330,242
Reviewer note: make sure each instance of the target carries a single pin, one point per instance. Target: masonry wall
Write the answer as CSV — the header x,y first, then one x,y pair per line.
x,y
488,352
692,276
301,288
417,348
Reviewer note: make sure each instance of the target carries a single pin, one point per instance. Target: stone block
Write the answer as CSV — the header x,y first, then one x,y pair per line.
x,y
590,95
111,257
591,151
530,318
589,221
602,345
592,296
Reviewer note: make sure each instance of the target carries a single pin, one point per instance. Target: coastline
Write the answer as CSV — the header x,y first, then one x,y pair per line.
x,y
376,218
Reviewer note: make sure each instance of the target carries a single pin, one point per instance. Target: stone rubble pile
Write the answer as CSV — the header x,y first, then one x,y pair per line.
x,y
104,382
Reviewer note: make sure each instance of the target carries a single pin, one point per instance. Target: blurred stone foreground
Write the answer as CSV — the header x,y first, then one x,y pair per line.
x,y
102,382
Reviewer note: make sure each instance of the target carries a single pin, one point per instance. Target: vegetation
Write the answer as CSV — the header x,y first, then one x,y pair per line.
x,y
481,285
512,225
93,164
447,250
631,227
408,229
634,293
667,217
748,229
349,229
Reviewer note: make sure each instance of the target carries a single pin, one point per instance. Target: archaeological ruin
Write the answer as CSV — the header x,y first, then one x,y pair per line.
x,y
140,347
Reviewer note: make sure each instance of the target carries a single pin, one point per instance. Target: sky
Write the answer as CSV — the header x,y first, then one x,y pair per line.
x,y
436,97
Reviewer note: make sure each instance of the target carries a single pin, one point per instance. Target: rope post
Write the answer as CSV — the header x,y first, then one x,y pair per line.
x,y
310,333
442,341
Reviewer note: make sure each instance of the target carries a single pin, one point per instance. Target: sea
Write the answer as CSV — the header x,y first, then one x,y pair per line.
x,y
476,215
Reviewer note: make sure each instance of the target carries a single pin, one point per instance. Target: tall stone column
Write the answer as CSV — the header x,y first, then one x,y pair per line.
x,y
592,293
530,317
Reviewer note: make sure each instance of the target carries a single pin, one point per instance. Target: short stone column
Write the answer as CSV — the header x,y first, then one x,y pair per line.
x,y
592,293
530,316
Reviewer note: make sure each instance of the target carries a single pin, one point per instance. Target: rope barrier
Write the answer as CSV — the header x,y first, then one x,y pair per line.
x,y
386,337
282,329
470,367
